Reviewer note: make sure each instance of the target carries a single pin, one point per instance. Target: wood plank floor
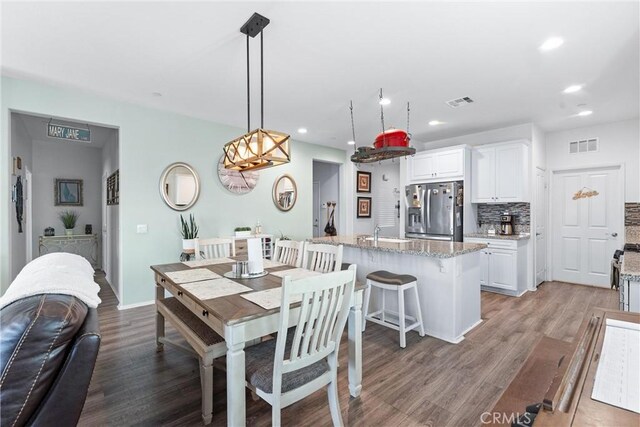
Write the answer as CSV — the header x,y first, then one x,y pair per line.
x,y
430,383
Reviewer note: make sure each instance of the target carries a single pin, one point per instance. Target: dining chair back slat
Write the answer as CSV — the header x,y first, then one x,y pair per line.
x,y
214,248
322,257
288,252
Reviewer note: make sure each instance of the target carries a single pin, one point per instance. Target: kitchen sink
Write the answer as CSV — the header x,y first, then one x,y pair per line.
x,y
389,240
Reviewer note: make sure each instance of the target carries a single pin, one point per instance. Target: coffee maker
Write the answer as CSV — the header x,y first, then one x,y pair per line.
x,y
506,224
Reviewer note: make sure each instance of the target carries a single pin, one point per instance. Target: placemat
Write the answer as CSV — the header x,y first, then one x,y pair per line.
x,y
267,263
210,289
269,299
203,262
296,273
193,275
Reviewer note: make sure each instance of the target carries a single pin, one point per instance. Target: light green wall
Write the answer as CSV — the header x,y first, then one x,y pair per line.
x,y
150,140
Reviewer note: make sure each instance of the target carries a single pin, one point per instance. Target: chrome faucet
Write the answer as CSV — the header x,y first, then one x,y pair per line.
x,y
376,231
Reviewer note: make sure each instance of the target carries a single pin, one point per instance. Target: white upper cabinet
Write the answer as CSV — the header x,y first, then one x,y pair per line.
x,y
499,173
438,165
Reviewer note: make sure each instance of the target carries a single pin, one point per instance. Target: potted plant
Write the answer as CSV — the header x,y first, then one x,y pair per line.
x,y
189,232
242,231
69,219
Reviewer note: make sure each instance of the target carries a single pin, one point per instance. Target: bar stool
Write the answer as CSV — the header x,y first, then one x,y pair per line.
x,y
386,280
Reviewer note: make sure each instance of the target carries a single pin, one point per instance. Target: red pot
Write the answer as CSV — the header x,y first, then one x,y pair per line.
x,y
392,138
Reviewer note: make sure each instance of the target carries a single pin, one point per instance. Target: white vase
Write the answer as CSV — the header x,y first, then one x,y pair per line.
x,y
188,245
68,231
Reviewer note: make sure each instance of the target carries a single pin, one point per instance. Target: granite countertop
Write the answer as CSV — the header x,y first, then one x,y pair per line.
x,y
428,248
630,269
521,236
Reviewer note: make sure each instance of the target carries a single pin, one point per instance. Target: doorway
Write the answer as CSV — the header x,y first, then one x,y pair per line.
x,y
541,226
587,216
326,195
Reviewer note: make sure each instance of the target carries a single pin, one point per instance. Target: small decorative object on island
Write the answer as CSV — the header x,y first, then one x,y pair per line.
x,y
242,231
389,144
49,231
88,229
189,232
69,219
259,148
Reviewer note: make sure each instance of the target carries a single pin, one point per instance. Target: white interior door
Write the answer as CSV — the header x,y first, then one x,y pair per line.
x,y
316,209
541,227
586,230
28,217
106,242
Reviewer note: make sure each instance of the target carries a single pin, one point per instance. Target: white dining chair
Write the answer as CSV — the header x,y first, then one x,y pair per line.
x,y
322,258
304,358
214,248
288,252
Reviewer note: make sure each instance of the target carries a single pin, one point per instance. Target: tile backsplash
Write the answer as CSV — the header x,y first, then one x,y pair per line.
x,y
489,214
631,214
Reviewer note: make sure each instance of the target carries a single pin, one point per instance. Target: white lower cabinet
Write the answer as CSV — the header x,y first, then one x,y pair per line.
x,y
503,265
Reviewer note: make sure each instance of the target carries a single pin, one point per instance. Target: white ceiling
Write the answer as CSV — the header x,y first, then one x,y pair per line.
x,y
320,55
36,128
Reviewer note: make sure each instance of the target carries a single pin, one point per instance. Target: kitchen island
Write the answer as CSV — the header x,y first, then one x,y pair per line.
x,y
448,276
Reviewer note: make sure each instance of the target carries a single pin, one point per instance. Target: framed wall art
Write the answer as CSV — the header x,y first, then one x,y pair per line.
x,y
363,182
113,188
67,192
364,207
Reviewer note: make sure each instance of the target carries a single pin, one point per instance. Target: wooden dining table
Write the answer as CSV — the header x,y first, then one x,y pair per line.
x,y
240,321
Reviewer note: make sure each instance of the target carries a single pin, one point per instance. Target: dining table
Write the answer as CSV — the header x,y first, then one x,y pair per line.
x,y
242,322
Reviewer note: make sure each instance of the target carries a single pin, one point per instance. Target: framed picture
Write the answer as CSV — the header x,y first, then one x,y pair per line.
x,y
363,182
68,192
364,207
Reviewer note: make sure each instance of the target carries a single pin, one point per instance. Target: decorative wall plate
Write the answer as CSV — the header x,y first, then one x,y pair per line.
x,y
237,182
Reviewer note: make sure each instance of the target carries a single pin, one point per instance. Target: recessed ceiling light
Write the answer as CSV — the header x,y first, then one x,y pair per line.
x,y
156,94
585,113
385,101
572,88
435,123
351,142
551,43
302,130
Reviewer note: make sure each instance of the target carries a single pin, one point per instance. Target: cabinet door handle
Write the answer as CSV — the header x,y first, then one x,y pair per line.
x,y
179,293
205,313
162,280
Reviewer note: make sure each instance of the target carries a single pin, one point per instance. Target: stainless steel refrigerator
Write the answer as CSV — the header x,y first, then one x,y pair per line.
x,y
434,211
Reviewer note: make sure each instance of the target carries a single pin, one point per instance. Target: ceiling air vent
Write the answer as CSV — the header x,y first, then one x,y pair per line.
x,y
455,103
583,146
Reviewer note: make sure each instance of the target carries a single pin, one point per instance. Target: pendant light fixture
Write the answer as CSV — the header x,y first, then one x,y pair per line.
x,y
259,148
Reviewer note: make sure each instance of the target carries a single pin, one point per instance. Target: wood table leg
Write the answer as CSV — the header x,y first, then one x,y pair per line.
x,y
236,404
206,384
159,320
355,345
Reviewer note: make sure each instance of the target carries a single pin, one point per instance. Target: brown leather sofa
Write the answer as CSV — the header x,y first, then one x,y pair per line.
x,y
48,349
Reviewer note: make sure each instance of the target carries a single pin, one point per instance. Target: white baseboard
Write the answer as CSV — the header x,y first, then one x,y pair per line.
x,y
138,304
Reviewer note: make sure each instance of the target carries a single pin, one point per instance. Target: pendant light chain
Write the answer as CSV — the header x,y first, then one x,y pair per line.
x,y
384,139
248,90
408,111
353,127
261,81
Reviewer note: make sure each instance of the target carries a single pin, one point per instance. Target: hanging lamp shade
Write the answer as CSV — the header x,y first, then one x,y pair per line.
x,y
258,149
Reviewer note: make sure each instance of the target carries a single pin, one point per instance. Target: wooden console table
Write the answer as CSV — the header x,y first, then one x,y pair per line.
x,y
85,245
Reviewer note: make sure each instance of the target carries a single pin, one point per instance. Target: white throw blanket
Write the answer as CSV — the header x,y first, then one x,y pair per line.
x,y
55,273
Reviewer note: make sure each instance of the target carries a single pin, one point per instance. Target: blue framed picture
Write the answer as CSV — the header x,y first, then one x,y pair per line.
x,y
68,192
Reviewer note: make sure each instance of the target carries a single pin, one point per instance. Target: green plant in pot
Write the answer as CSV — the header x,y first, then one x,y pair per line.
x,y
242,231
69,219
189,232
